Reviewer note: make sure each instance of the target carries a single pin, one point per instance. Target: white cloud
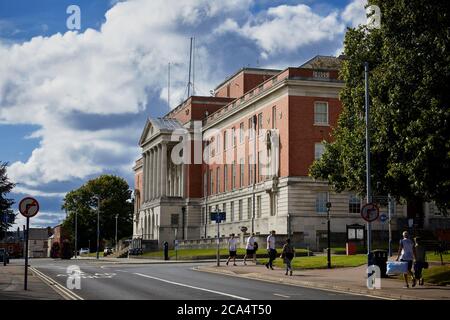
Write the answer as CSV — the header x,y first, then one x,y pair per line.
x,y
57,80
286,28
354,13
48,80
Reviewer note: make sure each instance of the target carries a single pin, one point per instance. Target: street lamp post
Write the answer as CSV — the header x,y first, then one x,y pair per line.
x,y
76,233
368,182
98,225
117,216
328,236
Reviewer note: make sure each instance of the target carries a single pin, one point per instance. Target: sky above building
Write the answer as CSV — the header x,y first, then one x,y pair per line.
x,y
73,103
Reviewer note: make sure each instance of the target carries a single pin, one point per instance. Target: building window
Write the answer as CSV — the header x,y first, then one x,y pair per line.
x,y
241,172
251,128
233,137
321,202
218,180
319,149
218,143
174,219
260,123
354,204
232,211
211,181
233,175
250,169
260,173
274,117
210,210
225,178
225,137
241,132
273,204
203,215
258,207
249,208
321,113
240,210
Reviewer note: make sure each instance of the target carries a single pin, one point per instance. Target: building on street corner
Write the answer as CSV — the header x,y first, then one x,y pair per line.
x,y
246,150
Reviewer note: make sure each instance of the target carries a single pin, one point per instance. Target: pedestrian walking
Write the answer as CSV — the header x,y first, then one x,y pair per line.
x,y
287,255
406,253
232,247
250,248
255,247
421,260
271,249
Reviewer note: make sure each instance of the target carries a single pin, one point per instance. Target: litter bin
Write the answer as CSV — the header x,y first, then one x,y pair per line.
x,y
379,258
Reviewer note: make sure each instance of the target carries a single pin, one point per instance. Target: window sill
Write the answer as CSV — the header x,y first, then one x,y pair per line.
x,y
321,124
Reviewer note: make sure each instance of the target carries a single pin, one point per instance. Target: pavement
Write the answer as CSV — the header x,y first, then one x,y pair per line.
x,y
102,280
12,284
349,280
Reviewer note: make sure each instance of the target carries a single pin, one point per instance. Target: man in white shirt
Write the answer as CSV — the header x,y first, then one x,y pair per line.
x,y
232,247
271,249
250,248
407,253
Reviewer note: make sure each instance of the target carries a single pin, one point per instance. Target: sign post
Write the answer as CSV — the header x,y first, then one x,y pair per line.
x,y
28,207
218,216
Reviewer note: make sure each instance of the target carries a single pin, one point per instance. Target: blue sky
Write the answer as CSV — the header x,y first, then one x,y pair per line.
x,y
73,103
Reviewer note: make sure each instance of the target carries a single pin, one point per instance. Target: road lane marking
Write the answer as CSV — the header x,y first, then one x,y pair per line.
x,y
122,271
66,293
340,291
192,287
281,295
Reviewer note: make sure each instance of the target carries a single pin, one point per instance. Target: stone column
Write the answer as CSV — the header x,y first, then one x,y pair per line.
x,y
148,175
158,171
163,169
154,173
144,176
152,167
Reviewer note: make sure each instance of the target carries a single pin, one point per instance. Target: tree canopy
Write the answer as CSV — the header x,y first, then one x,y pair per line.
x,y
115,199
409,62
7,215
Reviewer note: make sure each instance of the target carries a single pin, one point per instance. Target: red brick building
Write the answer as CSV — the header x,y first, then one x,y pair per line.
x,y
246,150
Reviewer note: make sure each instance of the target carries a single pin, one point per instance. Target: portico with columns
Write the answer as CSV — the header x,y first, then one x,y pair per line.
x,y
164,208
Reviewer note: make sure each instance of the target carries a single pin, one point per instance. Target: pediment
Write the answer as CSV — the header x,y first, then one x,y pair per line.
x,y
155,126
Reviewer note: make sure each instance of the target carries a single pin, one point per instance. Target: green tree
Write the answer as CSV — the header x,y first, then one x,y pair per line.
x,y
115,199
7,215
409,63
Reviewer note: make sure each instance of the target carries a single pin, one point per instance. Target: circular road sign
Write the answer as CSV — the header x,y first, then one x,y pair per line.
x,y
28,207
370,212
383,217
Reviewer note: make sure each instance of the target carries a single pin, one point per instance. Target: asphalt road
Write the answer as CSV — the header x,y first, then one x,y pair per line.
x,y
102,280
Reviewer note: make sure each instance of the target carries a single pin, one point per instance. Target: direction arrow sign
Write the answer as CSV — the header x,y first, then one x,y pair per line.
x,y
383,217
28,207
370,212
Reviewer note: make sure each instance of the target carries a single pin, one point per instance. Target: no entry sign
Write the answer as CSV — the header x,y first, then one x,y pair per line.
x,y
370,212
28,207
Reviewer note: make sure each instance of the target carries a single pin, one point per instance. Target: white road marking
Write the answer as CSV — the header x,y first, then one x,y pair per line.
x,y
192,287
122,271
67,294
281,295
